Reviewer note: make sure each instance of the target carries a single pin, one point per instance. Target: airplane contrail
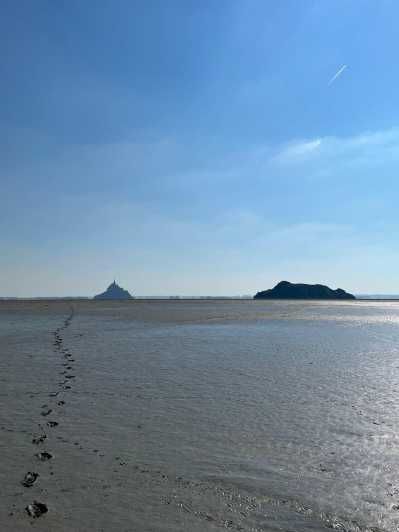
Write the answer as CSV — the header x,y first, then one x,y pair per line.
x,y
337,74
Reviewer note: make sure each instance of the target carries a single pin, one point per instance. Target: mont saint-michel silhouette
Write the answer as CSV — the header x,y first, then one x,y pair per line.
x,y
114,291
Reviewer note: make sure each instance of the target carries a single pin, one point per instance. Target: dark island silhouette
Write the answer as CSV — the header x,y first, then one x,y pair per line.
x,y
114,291
287,290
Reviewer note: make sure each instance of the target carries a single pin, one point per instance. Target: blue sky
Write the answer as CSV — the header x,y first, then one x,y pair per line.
x,y
189,147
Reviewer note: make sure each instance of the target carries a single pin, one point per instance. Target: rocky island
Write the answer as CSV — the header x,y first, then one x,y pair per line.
x,y
287,290
114,291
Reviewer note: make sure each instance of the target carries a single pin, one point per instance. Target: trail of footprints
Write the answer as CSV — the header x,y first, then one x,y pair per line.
x,y
48,413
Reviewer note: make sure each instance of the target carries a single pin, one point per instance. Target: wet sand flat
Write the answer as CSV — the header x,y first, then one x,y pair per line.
x,y
198,415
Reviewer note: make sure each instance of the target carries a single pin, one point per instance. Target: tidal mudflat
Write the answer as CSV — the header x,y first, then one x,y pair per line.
x,y
199,415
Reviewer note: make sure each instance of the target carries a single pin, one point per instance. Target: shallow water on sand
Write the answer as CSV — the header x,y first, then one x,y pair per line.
x,y
200,415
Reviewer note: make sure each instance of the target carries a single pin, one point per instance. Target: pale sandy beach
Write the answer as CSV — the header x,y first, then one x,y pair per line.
x,y
194,416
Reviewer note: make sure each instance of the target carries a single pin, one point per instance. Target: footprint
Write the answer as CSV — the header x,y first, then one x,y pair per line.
x,y
46,412
52,423
44,456
29,479
36,509
39,439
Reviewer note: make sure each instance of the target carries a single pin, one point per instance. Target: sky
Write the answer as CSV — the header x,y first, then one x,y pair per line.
x,y
197,148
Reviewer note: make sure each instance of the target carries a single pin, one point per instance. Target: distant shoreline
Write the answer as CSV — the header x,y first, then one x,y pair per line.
x,y
191,298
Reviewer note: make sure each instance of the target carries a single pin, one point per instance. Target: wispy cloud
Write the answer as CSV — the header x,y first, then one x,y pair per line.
x,y
298,150
366,149
337,74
